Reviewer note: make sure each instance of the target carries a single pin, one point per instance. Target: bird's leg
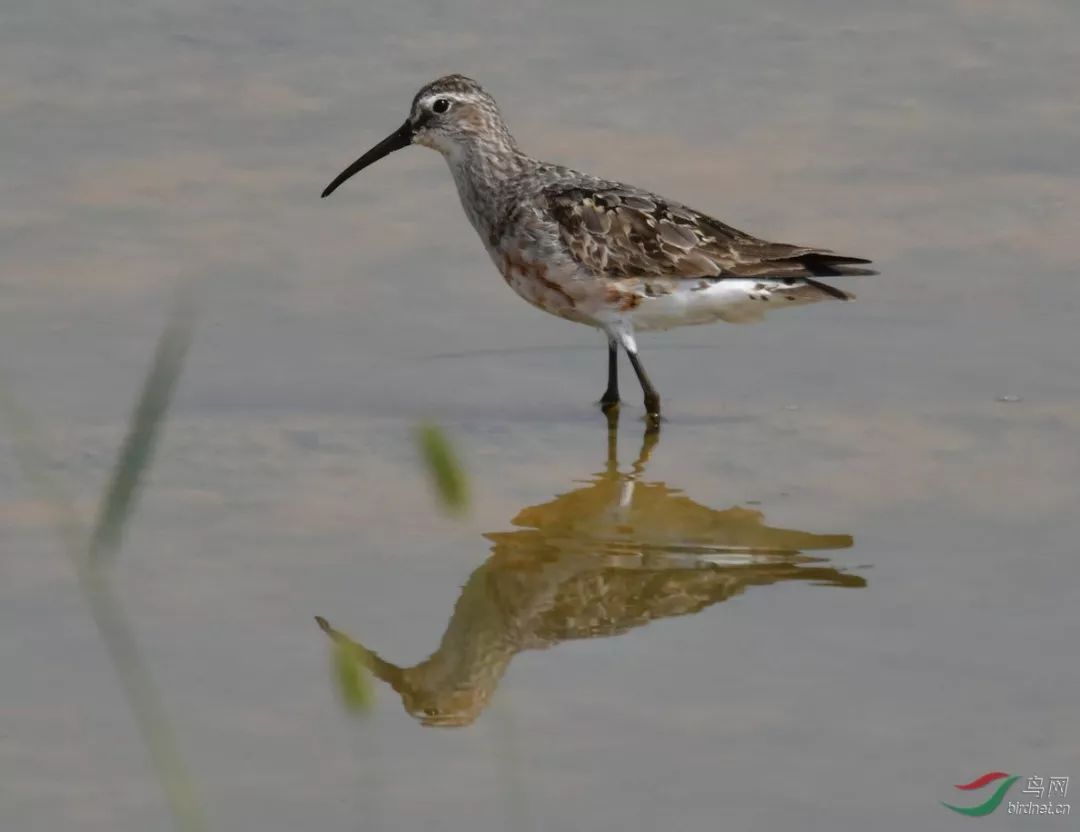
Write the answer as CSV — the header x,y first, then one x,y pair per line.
x,y
652,398
612,467
648,442
611,413
610,400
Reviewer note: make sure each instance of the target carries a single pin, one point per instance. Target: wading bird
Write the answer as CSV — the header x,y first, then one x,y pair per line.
x,y
598,252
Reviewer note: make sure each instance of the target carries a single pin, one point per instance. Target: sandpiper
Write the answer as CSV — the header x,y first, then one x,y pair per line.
x,y
612,554
599,252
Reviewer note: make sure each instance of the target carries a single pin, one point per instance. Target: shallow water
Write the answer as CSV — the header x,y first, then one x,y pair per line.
x,y
887,601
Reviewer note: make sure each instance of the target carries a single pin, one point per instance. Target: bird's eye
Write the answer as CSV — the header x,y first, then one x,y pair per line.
x,y
441,105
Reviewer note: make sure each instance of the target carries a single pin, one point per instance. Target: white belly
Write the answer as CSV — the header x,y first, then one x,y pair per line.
x,y
732,300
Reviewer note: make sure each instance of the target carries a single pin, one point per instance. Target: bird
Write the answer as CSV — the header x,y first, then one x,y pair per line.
x,y
616,257
611,555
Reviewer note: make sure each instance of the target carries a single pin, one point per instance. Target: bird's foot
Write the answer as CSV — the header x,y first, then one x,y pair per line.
x,y
652,412
610,408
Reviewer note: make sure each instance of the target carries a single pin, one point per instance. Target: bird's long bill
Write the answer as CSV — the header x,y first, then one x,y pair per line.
x,y
402,137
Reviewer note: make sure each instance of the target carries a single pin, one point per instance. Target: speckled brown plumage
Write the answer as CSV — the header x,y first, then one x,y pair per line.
x,y
619,232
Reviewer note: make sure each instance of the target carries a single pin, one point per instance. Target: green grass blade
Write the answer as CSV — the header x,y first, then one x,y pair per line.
x,y
117,634
447,475
353,681
144,428
350,669
144,700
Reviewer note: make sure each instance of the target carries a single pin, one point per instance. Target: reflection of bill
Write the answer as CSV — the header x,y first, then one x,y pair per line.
x,y
609,556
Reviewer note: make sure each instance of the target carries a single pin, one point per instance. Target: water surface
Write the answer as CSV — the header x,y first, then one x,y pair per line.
x,y
770,685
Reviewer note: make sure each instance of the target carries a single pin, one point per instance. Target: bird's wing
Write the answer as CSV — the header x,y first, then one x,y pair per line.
x,y
620,232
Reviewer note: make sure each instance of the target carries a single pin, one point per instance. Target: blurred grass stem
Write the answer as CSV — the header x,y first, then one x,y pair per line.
x,y
92,554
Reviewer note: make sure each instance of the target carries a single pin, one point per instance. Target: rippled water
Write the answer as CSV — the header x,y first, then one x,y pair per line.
x,y
707,663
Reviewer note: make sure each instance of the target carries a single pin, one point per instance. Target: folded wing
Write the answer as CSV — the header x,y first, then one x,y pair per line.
x,y
619,232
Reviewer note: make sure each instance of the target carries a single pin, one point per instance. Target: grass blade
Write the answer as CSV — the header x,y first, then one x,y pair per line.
x,y
88,553
443,467
350,669
144,428
353,681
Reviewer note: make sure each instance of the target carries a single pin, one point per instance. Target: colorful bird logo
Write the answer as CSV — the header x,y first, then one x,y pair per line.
x,y
992,802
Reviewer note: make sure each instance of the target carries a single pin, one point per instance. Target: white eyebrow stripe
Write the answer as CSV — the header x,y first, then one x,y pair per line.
x,y
450,96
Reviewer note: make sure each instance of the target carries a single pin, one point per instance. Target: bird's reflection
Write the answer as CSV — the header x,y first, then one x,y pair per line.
x,y
607,557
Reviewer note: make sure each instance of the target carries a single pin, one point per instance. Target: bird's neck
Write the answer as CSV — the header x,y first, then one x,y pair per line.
x,y
484,170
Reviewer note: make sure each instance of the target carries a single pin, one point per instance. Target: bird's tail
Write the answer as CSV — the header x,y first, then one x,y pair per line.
x,y
827,264
826,289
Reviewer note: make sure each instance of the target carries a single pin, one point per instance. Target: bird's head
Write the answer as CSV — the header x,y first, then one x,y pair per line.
x,y
451,114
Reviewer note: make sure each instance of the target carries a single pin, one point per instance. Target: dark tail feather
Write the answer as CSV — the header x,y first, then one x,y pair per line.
x,y
805,265
832,291
823,264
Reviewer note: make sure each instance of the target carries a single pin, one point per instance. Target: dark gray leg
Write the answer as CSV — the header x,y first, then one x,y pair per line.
x,y
610,399
652,398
